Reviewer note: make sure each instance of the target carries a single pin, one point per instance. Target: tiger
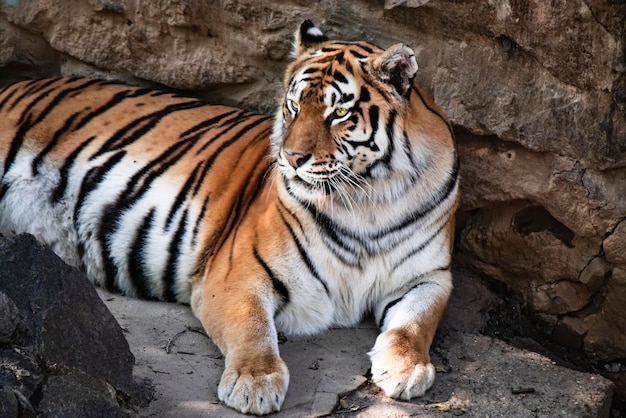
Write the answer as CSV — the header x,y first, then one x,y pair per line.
x,y
339,207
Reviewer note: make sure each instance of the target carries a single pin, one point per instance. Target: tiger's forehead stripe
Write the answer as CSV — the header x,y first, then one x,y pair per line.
x,y
330,79
336,60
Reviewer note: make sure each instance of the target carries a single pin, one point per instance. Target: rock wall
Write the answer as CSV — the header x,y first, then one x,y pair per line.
x,y
536,92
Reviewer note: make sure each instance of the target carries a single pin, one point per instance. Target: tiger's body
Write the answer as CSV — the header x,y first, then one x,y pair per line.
x,y
342,205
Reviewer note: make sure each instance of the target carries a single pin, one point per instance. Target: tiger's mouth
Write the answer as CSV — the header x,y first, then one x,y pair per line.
x,y
324,185
325,181
340,182
313,177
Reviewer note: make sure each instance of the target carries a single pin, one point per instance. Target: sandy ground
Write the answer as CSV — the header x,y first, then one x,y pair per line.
x,y
185,366
478,376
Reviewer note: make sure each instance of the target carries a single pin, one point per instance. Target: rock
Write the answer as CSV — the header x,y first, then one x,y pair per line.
x,y
602,341
78,395
9,318
25,55
60,340
20,371
8,403
615,245
49,295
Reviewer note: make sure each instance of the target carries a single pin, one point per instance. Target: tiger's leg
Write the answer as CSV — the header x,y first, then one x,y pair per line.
x,y
400,357
238,316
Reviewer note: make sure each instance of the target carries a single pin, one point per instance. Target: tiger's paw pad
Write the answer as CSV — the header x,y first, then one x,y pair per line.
x,y
254,393
399,376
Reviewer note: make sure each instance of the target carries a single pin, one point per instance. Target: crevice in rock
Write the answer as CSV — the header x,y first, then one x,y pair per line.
x,y
538,219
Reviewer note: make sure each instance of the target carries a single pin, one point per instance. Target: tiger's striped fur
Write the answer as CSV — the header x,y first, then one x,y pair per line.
x,y
343,204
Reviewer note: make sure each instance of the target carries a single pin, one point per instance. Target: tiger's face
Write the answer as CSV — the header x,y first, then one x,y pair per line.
x,y
334,131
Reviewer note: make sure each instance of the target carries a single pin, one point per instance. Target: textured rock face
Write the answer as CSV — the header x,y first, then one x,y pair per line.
x,y
61,351
536,91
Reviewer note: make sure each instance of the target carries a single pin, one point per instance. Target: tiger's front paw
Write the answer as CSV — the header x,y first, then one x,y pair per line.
x,y
256,387
399,368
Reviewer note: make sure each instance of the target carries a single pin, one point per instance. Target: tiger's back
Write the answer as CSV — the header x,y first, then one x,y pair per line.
x,y
119,179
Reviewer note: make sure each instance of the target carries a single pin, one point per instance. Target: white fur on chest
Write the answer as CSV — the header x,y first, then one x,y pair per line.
x,y
355,288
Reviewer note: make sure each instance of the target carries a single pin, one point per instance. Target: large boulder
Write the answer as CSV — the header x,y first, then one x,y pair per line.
x,y
62,353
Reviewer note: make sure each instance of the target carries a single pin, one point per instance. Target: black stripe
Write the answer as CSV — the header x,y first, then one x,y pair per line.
x,y
374,115
395,302
140,126
31,88
114,101
251,190
232,124
384,314
338,247
137,274
137,185
433,110
199,219
59,191
90,182
278,285
93,178
141,181
201,127
67,127
441,195
26,122
282,208
32,102
112,213
305,257
418,169
174,250
180,197
339,235
386,158
367,79
420,247
16,144
3,190
59,98
234,137
8,96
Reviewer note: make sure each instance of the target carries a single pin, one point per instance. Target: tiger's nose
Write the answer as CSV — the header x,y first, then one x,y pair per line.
x,y
296,159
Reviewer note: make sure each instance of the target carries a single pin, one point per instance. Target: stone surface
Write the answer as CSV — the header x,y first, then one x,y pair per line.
x,y
78,395
185,366
64,354
478,375
9,318
485,377
536,92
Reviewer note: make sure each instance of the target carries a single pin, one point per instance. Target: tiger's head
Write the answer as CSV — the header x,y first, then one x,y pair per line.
x,y
343,107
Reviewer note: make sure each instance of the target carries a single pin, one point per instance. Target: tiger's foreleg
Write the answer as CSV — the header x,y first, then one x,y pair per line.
x,y
400,357
238,316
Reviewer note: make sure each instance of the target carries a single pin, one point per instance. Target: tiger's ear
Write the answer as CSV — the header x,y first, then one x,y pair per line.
x,y
396,66
307,36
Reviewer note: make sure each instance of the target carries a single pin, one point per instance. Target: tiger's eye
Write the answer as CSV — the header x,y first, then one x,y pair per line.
x,y
341,112
293,106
